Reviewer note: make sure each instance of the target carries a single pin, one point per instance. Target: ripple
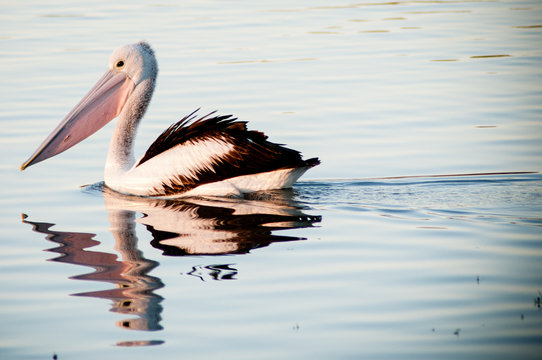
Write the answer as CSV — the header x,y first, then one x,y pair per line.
x,y
438,12
489,56
134,343
527,26
263,61
323,32
61,15
373,31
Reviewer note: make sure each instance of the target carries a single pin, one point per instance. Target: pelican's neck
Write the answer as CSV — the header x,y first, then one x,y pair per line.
x,y
120,158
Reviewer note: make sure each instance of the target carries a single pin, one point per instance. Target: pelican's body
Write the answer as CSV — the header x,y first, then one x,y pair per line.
x,y
214,155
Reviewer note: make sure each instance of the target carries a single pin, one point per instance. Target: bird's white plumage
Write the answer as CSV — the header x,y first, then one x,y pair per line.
x,y
184,161
276,179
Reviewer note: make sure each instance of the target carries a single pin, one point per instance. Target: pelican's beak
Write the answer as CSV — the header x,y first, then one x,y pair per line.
x,y
102,104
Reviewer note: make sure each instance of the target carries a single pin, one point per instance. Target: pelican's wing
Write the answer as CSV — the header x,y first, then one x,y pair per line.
x,y
208,150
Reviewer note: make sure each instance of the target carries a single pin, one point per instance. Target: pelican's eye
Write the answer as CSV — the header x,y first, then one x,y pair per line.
x,y
119,64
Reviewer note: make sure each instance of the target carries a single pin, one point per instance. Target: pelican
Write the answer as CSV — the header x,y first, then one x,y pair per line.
x,y
209,155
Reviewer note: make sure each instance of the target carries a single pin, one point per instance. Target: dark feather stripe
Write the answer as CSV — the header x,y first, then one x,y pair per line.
x,y
178,133
251,153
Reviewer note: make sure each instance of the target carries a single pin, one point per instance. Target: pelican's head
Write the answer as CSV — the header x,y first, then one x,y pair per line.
x,y
136,61
130,66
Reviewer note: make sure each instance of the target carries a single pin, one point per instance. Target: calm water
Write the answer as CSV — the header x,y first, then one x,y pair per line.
x,y
367,257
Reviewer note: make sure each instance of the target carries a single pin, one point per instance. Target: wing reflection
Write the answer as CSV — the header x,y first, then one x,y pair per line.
x,y
214,226
203,226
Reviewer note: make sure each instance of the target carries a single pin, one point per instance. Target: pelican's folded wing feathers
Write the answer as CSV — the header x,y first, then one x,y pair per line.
x,y
210,149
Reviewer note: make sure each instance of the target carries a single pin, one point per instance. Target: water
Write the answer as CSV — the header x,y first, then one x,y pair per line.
x,y
362,259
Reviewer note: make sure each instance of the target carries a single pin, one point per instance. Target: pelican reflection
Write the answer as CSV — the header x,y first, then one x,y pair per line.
x,y
199,226
214,226
133,293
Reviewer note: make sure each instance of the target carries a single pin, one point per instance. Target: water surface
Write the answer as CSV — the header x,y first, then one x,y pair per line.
x,y
368,256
